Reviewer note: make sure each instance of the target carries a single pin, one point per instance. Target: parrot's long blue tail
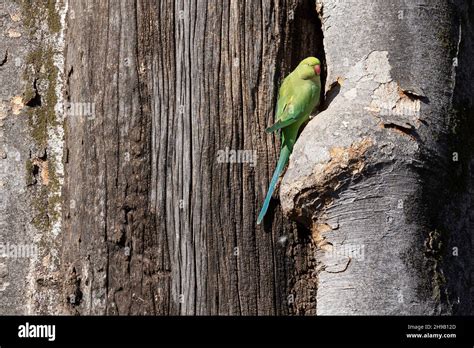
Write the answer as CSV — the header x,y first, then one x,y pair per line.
x,y
284,156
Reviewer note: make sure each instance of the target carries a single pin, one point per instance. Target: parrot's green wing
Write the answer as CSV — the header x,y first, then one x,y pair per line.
x,y
292,104
293,117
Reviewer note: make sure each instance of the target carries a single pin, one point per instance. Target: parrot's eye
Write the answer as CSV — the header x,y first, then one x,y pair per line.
x,y
317,69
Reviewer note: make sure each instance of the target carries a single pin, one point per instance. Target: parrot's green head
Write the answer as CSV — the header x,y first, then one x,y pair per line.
x,y
309,68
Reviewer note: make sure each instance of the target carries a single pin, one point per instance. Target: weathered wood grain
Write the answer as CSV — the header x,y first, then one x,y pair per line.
x,y
173,84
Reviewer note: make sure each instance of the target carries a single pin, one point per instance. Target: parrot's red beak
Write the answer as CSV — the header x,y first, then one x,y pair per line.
x,y
317,69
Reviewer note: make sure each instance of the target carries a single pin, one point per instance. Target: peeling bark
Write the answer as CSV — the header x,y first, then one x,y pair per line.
x,y
31,156
383,217
150,219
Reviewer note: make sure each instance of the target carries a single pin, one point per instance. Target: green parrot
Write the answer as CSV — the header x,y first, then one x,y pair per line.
x,y
298,96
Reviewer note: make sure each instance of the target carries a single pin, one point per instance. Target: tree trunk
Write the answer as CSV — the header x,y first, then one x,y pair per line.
x,y
160,219
138,167
383,177
31,170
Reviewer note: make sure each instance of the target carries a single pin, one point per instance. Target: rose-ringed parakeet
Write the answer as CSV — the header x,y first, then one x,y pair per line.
x,y
298,96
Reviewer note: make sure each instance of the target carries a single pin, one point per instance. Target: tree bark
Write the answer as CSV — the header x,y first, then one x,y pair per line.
x,y
30,156
156,224
383,176
133,155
